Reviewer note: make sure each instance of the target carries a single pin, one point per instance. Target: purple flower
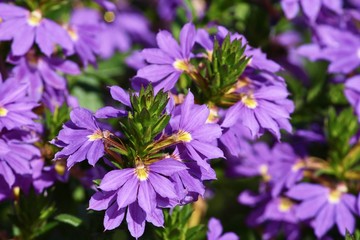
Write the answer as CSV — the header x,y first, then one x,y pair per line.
x,y
44,176
325,206
198,138
141,190
255,161
82,138
286,169
41,73
169,60
84,34
25,28
339,46
215,231
15,157
275,214
311,8
265,108
15,108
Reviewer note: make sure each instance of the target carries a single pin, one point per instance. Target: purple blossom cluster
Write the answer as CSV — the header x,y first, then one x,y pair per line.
x,y
33,80
152,148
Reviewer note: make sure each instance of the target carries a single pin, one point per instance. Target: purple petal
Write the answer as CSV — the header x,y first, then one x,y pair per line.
x,y
101,200
167,43
127,194
146,197
7,173
119,94
113,217
162,186
113,180
155,73
207,133
304,191
344,219
310,208
156,56
215,229
167,166
23,40
187,39
83,118
50,76
95,152
311,8
291,8
135,218
324,220
156,217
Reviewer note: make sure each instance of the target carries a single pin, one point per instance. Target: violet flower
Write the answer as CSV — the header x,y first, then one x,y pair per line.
x,y
169,60
15,107
265,108
141,190
82,138
41,73
276,215
197,137
286,169
83,30
15,157
325,206
25,28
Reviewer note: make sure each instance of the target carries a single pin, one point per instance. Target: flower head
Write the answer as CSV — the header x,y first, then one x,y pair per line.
x,y
196,136
169,60
325,206
143,190
25,28
82,138
15,107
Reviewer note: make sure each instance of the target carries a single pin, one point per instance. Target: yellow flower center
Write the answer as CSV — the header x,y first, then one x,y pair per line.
x,y
263,169
183,136
3,112
249,101
34,18
95,136
109,16
285,204
73,34
334,196
142,173
16,192
1,19
60,168
181,65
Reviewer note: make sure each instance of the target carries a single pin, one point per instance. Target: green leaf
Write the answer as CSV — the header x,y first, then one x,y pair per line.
x,y
68,219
